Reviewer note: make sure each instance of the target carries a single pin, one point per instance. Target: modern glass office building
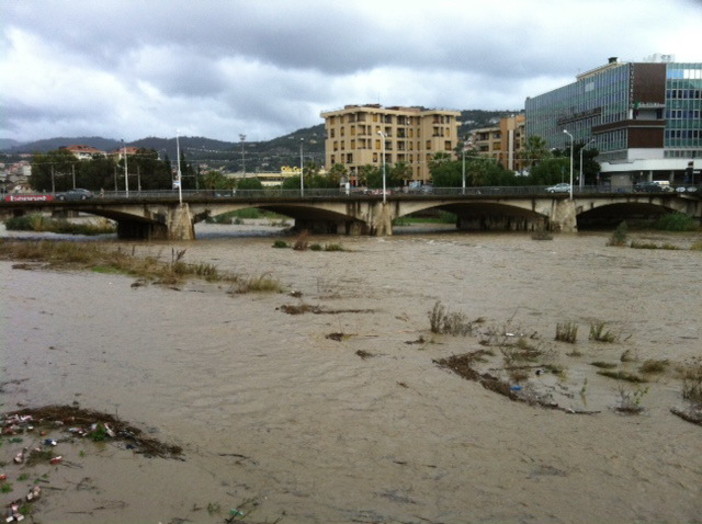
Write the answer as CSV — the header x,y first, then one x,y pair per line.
x,y
644,118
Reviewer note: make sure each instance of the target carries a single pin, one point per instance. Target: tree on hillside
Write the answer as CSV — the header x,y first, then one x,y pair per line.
x,y
53,170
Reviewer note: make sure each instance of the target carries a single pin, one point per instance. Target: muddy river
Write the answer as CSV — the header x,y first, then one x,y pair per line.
x,y
344,416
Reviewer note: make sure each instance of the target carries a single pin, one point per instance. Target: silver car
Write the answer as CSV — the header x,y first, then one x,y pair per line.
x,y
559,188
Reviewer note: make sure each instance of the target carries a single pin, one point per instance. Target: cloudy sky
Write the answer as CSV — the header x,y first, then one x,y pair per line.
x,y
219,68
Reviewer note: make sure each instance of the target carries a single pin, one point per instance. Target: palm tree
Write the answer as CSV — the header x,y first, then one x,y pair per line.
x,y
535,151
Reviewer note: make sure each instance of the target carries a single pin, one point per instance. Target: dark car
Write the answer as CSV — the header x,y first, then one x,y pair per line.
x,y
648,187
75,194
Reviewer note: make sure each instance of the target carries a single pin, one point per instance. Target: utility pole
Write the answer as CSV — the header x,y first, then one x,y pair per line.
x,y
242,137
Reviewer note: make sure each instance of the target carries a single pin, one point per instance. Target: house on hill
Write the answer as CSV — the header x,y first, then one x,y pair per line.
x,y
83,152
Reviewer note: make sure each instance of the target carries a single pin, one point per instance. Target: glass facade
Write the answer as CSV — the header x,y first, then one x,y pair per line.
x,y
683,111
601,97
606,96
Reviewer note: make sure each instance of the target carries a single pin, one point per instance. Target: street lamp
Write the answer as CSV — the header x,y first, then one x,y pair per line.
x,y
383,153
464,169
180,181
302,169
582,179
126,175
571,162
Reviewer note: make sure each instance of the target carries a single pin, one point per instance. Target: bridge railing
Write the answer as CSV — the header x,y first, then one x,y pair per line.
x,y
370,194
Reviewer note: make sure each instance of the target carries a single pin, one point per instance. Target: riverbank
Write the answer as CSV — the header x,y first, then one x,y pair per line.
x,y
345,413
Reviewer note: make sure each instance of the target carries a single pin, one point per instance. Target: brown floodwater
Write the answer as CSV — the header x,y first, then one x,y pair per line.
x,y
280,420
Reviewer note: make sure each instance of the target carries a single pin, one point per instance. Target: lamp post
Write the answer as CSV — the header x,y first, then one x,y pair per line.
x,y
382,148
463,170
582,179
242,138
302,168
571,162
126,175
180,182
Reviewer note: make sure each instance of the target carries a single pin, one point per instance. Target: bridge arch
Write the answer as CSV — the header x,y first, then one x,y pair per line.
x,y
609,214
488,214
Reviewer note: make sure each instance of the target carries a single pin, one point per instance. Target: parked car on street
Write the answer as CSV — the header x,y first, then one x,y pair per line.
x,y
649,187
559,188
75,194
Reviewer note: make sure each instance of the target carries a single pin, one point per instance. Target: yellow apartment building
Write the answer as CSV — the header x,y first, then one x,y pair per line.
x,y
502,142
359,135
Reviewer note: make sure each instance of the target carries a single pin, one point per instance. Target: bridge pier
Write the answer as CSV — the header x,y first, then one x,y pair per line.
x,y
175,224
382,214
563,216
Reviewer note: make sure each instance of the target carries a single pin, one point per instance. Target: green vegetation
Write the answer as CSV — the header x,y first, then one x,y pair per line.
x,y
54,225
692,382
567,332
445,322
654,366
603,365
89,255
600,334
61,171
651,245
676,222
622,375
619,236
630,399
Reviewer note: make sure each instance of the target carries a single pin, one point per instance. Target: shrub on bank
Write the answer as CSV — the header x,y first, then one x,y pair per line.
x,y
676,222
58,225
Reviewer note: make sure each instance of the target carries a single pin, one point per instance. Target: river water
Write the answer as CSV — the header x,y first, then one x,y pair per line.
x,y
280,420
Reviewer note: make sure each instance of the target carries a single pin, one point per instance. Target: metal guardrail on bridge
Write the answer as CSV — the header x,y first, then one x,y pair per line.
x,y
367,193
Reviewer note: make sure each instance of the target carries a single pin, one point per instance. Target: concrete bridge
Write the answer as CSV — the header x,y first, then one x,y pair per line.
x,y
163,215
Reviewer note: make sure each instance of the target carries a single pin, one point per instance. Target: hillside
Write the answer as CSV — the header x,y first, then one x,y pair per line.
x,y
267,155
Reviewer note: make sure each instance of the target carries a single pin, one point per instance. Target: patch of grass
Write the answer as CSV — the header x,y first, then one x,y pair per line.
x,y
280,244
265,283
541,234
94,256
567,332
619,236
59,225
622,375
630,399
676,222
6,487
692,381
629,356
600,334
654,366
302,241
635,244
697,246
445,322
603,365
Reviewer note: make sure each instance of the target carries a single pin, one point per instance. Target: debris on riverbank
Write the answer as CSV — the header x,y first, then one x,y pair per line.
x,y
75,422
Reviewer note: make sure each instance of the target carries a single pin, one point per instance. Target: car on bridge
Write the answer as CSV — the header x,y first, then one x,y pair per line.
x,y
559,188
75,194
650,187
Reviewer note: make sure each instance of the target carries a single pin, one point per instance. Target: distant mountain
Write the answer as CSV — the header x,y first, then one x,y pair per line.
x,y
269,155
8,143
51,144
